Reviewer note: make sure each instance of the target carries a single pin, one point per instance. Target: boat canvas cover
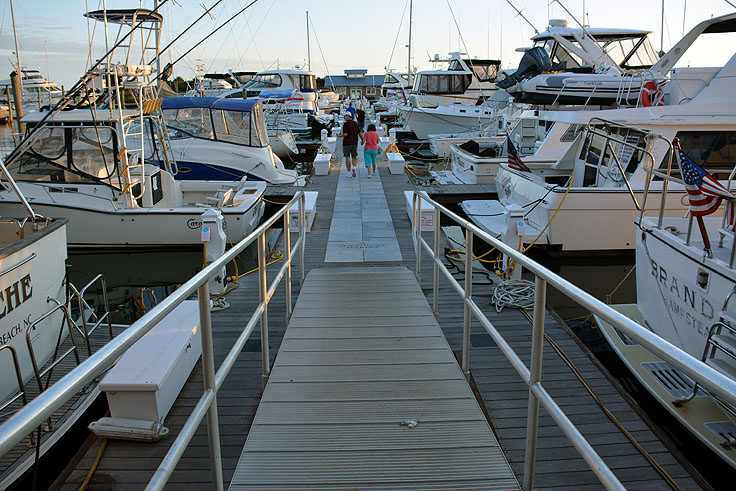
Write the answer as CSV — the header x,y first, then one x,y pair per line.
x,y
277,94
241,105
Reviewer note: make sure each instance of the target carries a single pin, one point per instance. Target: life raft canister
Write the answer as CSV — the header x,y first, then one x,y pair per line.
x,y
652,95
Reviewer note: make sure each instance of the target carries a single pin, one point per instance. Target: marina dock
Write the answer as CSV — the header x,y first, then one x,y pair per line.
x,y
319,414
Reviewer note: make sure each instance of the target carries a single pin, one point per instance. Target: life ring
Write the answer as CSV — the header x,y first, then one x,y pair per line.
x,y
652,95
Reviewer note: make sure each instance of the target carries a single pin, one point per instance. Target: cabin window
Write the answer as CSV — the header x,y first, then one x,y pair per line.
x,y
308,83
442,83
715,151
189,121
599,157
370,91
630,53
258,132
70,154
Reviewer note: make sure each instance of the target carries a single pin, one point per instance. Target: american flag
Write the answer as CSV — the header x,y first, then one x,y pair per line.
x,y
514,160
703,190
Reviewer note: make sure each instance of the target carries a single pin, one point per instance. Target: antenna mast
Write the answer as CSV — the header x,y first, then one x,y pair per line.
x,y
309,56
522,16
409,45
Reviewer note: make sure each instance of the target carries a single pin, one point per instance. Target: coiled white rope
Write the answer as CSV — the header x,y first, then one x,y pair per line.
x,y
512,293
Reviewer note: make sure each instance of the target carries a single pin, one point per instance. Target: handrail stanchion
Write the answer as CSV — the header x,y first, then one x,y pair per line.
x,y
263,297
303,232
467,319
208,370
287,246
535,376
435,266
417,229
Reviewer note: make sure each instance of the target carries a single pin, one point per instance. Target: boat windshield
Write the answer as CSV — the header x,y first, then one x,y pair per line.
x,y
188,122
264,81
80,154
442,83
240,127
632,53
484,72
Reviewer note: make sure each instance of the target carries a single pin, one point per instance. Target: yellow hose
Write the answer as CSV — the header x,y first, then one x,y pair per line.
x,y
92,469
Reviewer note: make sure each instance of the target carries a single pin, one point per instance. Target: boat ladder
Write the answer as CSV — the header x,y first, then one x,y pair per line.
x,y
720,354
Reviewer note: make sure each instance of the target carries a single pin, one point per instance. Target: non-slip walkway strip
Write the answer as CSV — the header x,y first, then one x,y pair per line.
x,y
361,229
365,393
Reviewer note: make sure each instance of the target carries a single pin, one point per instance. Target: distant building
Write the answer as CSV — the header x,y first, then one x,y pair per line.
x,y
356,84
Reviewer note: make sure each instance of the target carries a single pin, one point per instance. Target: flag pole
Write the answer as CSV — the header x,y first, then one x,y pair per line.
x,y
704,235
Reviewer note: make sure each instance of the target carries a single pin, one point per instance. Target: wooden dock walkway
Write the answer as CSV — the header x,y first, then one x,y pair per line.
x,y
128,465
365,393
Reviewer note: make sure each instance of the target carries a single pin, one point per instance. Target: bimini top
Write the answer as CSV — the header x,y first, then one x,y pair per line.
x,y
242,105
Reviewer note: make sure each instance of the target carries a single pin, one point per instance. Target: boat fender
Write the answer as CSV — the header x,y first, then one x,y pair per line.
x,y
652,95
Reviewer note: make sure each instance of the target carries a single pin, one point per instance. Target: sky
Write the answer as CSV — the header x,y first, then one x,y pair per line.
x,y
53,34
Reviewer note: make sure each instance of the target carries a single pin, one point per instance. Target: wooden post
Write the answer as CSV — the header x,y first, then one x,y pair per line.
x,y
10,107
15,81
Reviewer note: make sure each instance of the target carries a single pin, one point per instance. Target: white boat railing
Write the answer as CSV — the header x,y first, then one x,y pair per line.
x,y
724,387
27,419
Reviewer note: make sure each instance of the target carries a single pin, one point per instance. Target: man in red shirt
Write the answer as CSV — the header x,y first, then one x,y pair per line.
x,y
350,133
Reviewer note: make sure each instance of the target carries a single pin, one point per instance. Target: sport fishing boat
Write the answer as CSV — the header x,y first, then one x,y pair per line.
x,y
591,66
686,293
581,180
99,166
222,139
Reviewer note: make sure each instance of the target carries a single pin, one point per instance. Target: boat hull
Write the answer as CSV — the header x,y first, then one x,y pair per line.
x,y
32,271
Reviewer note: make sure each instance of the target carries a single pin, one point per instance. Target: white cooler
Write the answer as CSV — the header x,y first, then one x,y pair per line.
x,y
427,214
395,163
322,164
147,379
310,211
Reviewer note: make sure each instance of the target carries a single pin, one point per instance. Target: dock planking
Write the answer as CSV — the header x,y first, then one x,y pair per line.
x,y
128,465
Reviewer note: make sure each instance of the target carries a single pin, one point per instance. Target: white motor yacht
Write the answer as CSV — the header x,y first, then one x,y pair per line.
x,y
222,139
686,294
38,91
584,190
467,81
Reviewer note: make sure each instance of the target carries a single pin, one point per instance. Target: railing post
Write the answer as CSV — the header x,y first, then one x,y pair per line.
x,y
287,246
535,375
467,320
262,293
436,267
208,370
303,233
417,230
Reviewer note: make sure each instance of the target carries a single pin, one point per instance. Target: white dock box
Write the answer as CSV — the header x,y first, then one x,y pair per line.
x,y
331,143
146,380
310,205
322,164
427,215
395,163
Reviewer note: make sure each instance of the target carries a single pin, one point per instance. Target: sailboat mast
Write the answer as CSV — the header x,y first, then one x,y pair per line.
x,y
17,51
309,56
409,46
661,33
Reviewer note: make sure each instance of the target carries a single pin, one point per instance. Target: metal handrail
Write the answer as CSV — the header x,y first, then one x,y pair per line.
x,y
87,332
19,377
719,384
35,412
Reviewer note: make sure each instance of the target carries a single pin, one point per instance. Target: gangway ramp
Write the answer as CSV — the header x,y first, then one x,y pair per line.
x,y
365,393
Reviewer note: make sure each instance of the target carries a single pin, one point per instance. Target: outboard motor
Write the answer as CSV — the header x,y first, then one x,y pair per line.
x,y
317,125
534,62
